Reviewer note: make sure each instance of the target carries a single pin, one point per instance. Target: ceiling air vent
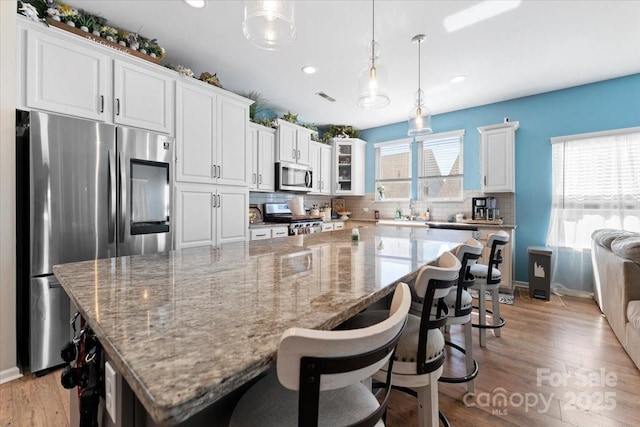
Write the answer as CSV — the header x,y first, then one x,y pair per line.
x,y
325,96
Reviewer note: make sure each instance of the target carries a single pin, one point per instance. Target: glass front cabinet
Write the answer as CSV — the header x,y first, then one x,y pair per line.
x,y
348,162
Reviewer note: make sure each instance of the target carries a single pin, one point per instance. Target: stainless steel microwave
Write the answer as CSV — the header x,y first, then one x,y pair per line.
x,y
293,177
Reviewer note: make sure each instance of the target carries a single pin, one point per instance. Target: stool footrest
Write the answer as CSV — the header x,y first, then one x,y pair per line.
x,y
470,375
498,326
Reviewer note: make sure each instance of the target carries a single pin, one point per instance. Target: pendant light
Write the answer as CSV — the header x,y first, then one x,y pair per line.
x,y
269,25
370,87
420,115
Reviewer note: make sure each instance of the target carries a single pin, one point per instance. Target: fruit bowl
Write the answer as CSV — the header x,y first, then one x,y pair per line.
x,y
344,215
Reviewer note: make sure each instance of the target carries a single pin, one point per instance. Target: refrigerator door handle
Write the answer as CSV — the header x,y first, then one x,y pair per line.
x,y
123,195
111,191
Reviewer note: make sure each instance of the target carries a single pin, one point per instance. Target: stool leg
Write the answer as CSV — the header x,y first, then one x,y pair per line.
x,y
428,415
482,315
495,295
468,348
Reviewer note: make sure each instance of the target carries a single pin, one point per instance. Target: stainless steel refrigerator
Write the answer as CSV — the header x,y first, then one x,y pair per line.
x,y
85,190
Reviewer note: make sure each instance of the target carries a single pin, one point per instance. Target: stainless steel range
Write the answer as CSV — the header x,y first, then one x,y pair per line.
x,y
298,224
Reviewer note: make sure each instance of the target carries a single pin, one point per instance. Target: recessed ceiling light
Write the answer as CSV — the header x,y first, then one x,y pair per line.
x,y
458,79
309,69
198,4
478,13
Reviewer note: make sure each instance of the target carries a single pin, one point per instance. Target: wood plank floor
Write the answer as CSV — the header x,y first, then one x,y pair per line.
x,y
557,363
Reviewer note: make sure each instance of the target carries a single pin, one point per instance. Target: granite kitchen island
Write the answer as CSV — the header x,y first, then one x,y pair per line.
x,y
186,328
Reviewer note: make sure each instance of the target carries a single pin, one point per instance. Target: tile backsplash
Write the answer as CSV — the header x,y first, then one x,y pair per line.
x,y
358,204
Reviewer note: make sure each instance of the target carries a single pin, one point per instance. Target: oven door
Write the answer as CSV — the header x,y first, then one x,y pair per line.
x,y
292,177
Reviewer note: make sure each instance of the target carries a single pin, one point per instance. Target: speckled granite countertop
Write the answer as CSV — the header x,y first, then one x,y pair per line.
x,y
187,327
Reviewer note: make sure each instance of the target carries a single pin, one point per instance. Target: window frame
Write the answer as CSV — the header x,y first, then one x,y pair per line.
x,y
420,140
377,180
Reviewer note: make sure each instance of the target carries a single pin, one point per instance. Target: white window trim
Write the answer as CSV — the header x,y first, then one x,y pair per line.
x,y
403,141
566,138
435,137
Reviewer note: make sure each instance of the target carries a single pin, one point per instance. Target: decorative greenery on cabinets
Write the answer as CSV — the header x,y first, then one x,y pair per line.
x,y
340,131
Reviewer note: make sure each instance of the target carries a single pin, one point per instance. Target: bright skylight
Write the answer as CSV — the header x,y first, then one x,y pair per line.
x,y
478,13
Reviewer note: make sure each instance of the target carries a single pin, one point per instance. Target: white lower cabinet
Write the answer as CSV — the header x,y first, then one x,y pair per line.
x,y
264,233
210,215
506,268
327,226
338,225
279,232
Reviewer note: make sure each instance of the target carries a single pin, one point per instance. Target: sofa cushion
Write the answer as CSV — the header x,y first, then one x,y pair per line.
x,y
627,247
633,314
605,236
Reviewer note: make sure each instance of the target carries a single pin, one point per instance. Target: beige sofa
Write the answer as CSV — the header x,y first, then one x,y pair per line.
x,y
616,266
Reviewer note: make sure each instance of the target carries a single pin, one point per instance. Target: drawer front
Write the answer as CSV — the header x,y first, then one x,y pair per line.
x,y
327,227
338,226
260,234
279,232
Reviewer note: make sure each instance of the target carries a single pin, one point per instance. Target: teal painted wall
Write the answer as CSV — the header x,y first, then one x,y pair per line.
x,y
610,104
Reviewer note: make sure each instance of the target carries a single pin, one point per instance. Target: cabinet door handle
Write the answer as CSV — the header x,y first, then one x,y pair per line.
x,y
117,106
219,202
214,202
219,171
298,157
102,103
485,180
260,180
214,170
261,235
293,153
254,178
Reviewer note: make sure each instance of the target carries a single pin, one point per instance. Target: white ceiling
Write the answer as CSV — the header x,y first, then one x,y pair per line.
x,y
538,47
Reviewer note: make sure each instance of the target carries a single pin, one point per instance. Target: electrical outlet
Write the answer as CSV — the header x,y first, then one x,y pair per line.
x,y
365,210
110,391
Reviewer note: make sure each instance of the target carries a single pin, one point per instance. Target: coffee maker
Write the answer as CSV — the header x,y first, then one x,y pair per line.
x,y
483,208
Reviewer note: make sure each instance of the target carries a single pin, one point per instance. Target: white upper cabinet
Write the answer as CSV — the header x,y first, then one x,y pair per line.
x,y
233,119
66,74
196,134
211,135
320,160
66,77
497,157
142,97
261,154
348,166
293,143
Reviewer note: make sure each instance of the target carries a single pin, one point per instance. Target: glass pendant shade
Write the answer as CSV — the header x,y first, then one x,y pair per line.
x,y
420,121
371,93
269,25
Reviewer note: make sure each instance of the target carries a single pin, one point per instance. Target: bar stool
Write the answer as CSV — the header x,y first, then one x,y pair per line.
x,y
420,353
460,305
317,381
488,278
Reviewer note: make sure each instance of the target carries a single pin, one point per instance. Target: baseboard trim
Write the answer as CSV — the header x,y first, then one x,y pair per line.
x,y
10,375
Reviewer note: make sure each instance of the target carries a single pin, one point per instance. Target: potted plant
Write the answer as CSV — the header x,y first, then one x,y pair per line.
x,y
85,21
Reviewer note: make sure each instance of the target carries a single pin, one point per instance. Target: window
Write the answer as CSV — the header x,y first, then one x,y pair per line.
x,y
440,167
596,184
393,170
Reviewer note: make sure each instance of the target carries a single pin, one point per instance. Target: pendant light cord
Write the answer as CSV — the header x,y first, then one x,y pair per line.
x,y
419,88
373,33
